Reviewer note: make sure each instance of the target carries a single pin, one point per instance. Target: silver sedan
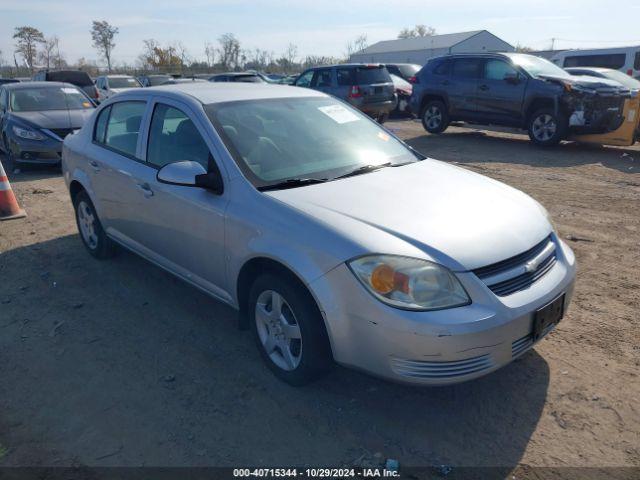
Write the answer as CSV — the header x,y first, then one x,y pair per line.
x,y
334,240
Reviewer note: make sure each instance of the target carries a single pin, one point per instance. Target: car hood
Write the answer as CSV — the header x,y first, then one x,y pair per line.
x,y
459,218
593,83
55,118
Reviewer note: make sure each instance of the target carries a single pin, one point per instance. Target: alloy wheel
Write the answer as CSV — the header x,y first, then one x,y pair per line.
x,y
544,127
433,117
87,223
278,330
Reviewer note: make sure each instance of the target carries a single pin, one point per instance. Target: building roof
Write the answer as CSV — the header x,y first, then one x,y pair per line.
x,y
446,40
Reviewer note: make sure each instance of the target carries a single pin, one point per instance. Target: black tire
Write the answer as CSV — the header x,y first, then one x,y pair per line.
x,y
103,247
383,117
546,127
312,351
435,116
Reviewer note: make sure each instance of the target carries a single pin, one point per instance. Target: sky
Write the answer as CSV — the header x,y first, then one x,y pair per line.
x,y
320,27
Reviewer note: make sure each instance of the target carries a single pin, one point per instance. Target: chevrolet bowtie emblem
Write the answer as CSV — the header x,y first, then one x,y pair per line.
x,y
532,265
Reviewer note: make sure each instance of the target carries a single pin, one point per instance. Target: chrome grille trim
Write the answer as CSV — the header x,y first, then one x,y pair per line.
x,y
521,271
441,370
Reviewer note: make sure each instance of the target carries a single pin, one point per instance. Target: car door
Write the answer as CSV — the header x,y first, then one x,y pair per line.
x,y
322,80
184,226
462,87
115,167
501,92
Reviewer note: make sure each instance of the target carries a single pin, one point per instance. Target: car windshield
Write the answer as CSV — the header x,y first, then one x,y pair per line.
x,y
276,140
246,78
622,78
48,98
536,66
123,82
158,80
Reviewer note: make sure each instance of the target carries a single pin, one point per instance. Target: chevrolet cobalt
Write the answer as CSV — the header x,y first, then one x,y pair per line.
x,y
333,239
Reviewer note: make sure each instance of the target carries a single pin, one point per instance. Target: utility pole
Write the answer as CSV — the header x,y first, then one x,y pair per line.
x,y
553,43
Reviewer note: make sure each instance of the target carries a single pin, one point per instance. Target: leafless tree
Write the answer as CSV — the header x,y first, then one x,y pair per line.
x,y
229,51
417,31
210,53
50,49
357,45
103,33
27,40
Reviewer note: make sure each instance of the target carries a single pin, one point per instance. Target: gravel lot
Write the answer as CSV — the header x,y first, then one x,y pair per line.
x,y
118,363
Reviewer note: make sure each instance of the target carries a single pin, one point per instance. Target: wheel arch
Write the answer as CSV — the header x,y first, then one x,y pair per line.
x,y
257,265
430,97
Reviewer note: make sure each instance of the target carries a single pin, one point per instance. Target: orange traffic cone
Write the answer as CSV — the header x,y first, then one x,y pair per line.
x,y
9,207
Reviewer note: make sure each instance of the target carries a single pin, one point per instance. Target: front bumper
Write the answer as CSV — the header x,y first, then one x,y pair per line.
x,y
438,347
42,152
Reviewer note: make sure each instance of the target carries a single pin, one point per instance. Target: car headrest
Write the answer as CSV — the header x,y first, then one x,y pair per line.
x,y
133,124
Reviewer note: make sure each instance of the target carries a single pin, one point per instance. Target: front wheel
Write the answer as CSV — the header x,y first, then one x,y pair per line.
x,y
546,127
288,329
435,117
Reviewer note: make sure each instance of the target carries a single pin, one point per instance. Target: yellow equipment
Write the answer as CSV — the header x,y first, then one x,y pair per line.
x,y
623,136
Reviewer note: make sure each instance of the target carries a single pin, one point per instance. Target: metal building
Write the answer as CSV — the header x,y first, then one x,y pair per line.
x,y
420,49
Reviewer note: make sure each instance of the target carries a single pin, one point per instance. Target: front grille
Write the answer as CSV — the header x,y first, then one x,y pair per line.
x,y
62,132
517,273
441,370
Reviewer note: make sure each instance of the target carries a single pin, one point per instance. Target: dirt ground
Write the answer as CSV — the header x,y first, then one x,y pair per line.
x,y
117,363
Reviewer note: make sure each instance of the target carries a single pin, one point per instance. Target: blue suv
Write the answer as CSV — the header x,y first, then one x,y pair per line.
x,y
515,90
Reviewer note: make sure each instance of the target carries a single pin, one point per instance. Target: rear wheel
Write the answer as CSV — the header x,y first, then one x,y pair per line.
x,y
288,329
546,127
91,232
435,117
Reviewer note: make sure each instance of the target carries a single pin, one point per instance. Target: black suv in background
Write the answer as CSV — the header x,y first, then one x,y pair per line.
x,y
368,87
74,77
516,90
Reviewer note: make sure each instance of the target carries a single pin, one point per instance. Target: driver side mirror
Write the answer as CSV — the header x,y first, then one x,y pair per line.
x,y
512,78
191,174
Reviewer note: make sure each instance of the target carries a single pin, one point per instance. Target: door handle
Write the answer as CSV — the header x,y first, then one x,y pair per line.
x,y
146,189
484,87
95,165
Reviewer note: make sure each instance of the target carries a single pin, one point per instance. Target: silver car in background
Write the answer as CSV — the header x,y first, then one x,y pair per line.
x,y
333,239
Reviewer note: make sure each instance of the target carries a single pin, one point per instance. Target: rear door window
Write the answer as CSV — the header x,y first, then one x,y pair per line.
x,y
443,68
466,68
322,78
122,127
369,75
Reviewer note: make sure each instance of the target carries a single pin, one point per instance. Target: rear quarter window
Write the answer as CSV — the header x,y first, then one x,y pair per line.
x,y
372,75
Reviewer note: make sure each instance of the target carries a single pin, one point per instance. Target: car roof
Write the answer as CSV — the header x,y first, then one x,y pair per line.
x,y
211,92
349,65
24,85
236,74
593,69
118,76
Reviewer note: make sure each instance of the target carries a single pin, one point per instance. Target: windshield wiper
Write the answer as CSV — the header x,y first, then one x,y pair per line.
x,y
292,183
363,169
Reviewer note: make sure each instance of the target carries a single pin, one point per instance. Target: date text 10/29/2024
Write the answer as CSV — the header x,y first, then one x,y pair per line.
x,y
315,472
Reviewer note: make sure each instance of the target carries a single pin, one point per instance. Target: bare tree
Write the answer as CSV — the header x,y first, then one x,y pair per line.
x,y
27,40
357,45
182,54
229,51
48,55
210,53
417,31
103,34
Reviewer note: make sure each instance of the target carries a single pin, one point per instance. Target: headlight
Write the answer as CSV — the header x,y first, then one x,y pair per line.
x,y
27,133
409,283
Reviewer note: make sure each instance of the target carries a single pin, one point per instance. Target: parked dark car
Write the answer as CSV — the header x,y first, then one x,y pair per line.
x,y
75,77
368,87
4,81
35,117
516,90
244,77
153,80
406,71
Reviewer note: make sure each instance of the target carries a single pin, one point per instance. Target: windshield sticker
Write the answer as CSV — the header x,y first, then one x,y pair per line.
x,y
69,90
339,114
383,136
